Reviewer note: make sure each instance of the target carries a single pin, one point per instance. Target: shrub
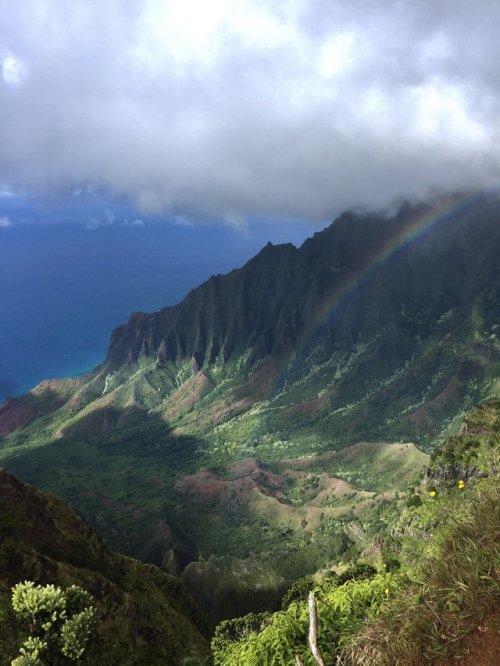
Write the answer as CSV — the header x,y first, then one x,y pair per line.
x,y
60,623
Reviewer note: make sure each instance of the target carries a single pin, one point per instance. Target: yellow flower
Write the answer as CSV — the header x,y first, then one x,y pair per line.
x,y
432,493
386,591
461,484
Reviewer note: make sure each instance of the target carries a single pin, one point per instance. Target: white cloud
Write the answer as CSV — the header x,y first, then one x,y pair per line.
x,y
93,224
5,222
183,221
13,71
237,222
109,216
241,107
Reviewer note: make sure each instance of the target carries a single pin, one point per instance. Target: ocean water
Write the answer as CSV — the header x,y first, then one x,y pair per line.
x,y
64,288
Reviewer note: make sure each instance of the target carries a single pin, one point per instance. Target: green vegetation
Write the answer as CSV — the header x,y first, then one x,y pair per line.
x,y
146,617
276,639
60,623
446,592
266,419
439,578
476,448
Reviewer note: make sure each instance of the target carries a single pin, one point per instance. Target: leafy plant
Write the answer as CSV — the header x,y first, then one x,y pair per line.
x,y
60,623
276,639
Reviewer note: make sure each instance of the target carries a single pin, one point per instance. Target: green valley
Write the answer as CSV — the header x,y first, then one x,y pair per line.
x,y
260,429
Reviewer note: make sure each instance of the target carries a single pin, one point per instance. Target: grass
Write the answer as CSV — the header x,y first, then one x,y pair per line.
x,y
440,567
416,615
454,588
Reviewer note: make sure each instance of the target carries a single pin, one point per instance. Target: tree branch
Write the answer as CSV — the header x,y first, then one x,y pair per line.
x,y
313,631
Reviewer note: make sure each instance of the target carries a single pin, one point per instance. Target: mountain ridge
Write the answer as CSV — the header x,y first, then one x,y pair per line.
x,y
380,329
268,310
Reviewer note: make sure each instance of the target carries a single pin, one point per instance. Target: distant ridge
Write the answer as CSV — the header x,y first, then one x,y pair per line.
x,y
380,329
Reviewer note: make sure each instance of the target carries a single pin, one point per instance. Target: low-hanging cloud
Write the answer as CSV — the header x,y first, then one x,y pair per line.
x,y
233,108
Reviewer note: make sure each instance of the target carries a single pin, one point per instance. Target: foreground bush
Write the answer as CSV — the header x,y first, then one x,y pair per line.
x,y
60,623
275,640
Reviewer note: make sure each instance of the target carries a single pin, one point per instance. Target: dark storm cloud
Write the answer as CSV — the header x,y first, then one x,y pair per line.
x,y
254,107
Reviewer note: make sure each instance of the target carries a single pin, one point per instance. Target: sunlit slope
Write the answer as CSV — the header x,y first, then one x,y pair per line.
x,y
378,329
428,593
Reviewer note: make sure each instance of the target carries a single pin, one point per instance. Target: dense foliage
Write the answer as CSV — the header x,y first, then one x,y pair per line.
x,y
341,610
60,623
443,546
146,617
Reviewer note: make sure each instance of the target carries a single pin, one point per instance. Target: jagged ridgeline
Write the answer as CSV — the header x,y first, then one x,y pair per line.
x,y
256,421
145,616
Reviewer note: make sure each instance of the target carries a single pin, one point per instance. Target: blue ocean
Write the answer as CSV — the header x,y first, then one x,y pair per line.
x,y
65,287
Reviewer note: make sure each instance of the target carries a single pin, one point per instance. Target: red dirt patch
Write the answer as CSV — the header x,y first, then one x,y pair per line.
x,y
228,408
45,398
203,483
262,381
244,467
251,479
423,415
249,467
14,414
482,648
185,396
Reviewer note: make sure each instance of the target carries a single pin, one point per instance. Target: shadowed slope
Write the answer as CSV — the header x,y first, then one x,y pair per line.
x,y
147,618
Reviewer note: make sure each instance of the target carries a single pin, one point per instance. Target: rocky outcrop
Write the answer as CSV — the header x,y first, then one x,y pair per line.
x,y
451,473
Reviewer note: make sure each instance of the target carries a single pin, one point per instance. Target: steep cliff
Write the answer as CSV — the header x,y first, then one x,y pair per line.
x,y
379,329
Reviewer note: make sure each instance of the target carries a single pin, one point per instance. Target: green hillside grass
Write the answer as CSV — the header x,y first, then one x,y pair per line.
x,y
245,367
450,591
443,547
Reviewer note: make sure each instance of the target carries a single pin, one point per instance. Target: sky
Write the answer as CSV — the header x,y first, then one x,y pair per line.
x,y
235,109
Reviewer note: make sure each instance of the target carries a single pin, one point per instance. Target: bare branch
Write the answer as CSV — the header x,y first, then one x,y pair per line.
x,y
313,631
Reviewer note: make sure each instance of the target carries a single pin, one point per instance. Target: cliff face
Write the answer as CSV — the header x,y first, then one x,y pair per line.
x,y
248,308
146,616
378,329
338,278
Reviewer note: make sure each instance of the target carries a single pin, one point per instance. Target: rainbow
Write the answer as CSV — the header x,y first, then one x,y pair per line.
x,y
407,233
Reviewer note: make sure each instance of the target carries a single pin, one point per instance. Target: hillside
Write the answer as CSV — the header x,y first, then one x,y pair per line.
x,y
261,417
433,598
146,616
